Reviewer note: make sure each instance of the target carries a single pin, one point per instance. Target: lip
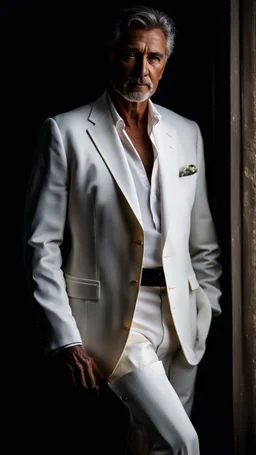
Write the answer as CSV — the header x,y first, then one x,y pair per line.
x,y
135,85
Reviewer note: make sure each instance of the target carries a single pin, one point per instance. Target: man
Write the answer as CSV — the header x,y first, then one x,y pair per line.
x,y
119,185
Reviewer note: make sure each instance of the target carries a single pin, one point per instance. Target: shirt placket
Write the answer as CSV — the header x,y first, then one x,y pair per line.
x,y
152,186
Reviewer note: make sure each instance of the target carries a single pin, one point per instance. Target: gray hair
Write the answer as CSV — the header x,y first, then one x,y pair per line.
x,y
145,17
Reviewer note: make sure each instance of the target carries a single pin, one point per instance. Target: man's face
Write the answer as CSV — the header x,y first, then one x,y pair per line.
x,y
140,64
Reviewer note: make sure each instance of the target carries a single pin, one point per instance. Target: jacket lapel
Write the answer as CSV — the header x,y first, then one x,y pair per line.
x,y
107,142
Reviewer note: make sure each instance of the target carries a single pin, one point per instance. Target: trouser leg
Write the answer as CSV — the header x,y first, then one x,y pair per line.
x,y
152,400
182,376
180,373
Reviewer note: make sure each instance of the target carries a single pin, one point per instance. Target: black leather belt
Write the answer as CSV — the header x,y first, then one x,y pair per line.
x,y
153,277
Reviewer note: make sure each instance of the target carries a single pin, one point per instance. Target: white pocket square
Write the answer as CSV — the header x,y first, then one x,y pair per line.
x,y
188,170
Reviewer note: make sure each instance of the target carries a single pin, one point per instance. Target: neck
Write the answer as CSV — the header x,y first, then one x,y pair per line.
x,y
133,113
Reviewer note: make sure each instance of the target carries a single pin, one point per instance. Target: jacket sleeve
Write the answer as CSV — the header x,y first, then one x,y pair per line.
x,y
204,249
44,226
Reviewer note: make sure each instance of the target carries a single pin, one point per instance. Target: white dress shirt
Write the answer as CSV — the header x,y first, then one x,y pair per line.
x,y
148,193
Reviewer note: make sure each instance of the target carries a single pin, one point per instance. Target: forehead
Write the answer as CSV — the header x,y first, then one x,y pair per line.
x,y
152,40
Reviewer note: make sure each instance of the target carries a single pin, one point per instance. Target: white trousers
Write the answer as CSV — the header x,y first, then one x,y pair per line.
x,y
155,382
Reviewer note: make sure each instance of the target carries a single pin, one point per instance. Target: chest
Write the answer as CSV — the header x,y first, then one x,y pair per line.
x,y
143,146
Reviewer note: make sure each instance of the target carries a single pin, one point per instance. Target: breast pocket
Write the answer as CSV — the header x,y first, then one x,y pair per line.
x,y
187,187
188,179
82,288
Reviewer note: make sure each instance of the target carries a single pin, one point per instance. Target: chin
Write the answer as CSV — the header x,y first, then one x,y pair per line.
x,y
136,97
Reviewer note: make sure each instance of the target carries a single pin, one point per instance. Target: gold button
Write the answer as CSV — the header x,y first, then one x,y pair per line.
x,y
139,242
126,327
135,282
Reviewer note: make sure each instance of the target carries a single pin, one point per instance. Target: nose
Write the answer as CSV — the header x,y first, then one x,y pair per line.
x,y
142,67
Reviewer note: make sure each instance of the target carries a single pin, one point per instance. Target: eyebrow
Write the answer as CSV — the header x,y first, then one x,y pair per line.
x,y
136,49
157,54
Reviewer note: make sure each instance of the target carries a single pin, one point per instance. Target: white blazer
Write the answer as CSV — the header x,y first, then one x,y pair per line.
x,y
85,288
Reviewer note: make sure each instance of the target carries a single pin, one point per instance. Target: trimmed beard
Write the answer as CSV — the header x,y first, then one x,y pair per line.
x,y
136,97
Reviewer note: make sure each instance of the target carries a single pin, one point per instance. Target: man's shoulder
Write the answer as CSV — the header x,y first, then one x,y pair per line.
x,y
74,115
175,118
85,113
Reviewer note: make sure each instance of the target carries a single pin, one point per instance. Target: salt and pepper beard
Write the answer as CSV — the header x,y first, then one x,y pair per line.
x,y
136,96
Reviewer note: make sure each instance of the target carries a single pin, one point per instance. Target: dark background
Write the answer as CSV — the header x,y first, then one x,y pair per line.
x,y
56,62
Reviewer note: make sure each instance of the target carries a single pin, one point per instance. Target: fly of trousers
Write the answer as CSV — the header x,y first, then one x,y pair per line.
x,y
155,382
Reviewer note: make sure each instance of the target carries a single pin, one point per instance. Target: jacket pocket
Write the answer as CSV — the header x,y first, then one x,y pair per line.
x,y
193,283
187,178
82,288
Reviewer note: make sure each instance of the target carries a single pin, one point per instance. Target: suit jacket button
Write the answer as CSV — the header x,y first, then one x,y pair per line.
x,y
124,398
126,327
135,282
139,242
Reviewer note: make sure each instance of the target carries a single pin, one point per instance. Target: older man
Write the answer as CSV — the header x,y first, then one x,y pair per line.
x,y
123,179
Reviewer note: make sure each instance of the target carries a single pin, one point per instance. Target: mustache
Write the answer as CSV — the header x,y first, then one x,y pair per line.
x,y
139,81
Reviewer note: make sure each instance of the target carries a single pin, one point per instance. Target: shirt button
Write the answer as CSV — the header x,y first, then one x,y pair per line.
x,y
171,288
139,242
135,282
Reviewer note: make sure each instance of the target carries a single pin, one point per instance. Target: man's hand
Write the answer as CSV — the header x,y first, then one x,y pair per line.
x,y
78,370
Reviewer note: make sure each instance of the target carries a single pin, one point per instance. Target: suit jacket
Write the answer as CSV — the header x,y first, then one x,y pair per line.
x,y
82,189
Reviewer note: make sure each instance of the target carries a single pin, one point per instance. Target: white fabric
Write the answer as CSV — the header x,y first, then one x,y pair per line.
x,y
152,335
88,186
152,339
148,193
157,408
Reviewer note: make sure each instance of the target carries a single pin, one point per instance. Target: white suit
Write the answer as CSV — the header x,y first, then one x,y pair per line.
x,y
81,184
